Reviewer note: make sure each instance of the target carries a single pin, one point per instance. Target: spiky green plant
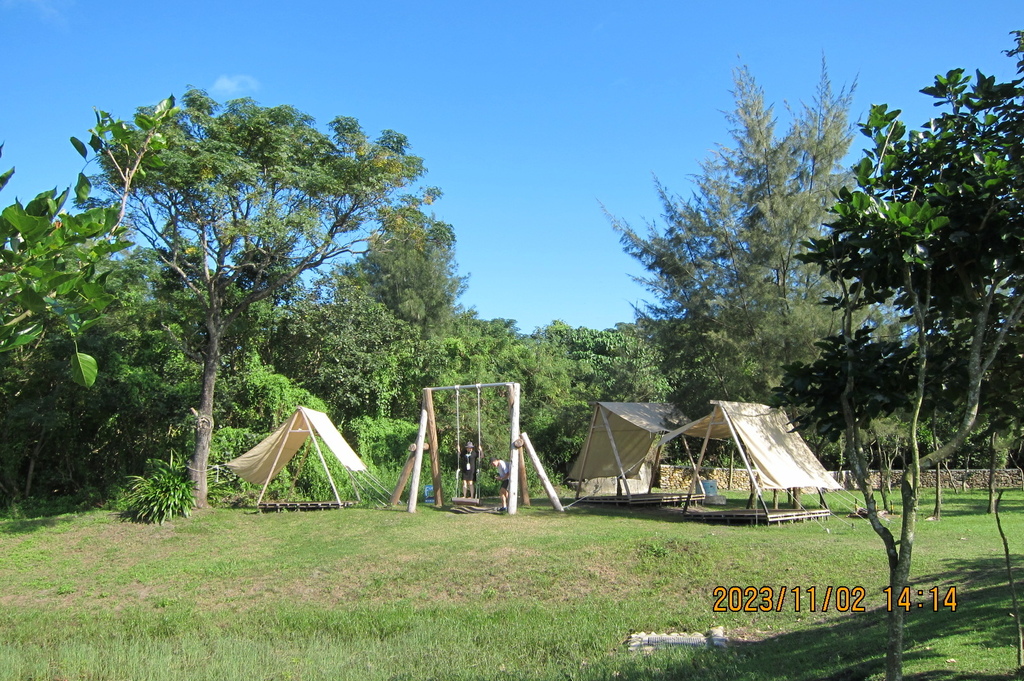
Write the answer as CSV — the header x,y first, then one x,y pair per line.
x,y
165,493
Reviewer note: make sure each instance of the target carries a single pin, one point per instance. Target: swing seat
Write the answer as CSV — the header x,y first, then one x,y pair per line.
x,y
475,509
465,501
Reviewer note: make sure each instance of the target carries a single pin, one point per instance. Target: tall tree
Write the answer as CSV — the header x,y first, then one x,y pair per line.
x,y
416,278
249,199
733,302
337,342
934,231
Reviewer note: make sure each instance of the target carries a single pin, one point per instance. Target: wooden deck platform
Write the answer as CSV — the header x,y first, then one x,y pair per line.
x,y
278,506
674,499
754,516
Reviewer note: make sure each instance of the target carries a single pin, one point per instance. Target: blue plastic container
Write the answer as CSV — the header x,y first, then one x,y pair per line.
x,y
710,487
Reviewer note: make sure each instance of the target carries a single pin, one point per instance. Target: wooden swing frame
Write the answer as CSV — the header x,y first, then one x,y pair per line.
x,y
427,438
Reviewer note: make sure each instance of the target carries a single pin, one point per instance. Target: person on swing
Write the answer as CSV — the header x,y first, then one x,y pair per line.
x,y
468,459
504,471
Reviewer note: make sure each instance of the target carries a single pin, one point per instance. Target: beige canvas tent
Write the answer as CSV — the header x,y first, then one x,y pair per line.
x,y
623,447
775,456
262,463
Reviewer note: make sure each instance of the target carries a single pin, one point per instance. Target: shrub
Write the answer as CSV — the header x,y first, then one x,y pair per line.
x,y
165,493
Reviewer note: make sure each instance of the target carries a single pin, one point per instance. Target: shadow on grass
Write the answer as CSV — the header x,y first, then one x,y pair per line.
x,y
853,647
33,525
979,633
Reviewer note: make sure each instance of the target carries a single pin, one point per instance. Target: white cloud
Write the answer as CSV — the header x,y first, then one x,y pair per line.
x,y
234,86
52,11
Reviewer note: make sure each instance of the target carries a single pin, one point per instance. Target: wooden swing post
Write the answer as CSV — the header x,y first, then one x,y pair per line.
x,y
435,447
414,491
513,477
548,487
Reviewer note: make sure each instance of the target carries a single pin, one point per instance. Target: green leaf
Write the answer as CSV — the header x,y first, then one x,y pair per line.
x,y
145,122
4,177
165,105
83,188
26,335
31,300
65,283
83,369
80,146
30,227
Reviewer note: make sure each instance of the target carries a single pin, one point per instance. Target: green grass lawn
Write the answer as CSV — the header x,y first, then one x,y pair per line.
x,y
383,594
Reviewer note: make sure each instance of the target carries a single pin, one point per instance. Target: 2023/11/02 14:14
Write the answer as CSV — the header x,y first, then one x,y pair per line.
x,y
936,600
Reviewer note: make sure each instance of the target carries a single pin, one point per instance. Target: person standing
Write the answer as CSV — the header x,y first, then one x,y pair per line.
x,y
468,459
503,470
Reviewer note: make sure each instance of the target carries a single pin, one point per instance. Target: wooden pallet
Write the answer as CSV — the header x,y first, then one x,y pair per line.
x,y
756,516
676,499
278,506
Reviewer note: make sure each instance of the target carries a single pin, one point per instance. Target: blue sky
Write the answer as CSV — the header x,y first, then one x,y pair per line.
x,y
530,115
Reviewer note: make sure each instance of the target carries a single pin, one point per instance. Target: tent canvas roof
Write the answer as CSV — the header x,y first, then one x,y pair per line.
x,y
778,453
634,426
264,461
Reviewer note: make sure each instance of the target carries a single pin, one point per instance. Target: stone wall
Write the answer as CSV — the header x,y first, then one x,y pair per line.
x,y
678,477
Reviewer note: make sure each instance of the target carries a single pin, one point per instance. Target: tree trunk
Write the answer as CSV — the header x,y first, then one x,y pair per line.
x,y
32,461
1013,590
937,513
884,469
967,472
204,417
992,474
899,573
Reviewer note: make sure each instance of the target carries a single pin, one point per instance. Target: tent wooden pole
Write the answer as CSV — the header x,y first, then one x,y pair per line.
x,y
654,453
615,451
403,479
542,474
435,448
513,486
330,478
586,449
695,476
693,464
656,465
732,462
418,461
277,457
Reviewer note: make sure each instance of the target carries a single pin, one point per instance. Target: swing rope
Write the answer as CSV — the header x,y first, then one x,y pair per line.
x,y
479,443
458,422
